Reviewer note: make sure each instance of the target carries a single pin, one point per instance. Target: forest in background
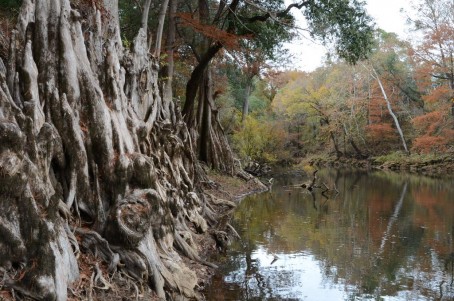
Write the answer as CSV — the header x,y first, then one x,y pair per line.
x,y
346,111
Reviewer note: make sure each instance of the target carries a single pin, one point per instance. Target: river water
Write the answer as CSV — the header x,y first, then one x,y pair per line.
x,y
384,236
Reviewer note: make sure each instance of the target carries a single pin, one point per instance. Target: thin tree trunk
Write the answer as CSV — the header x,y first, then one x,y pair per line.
x,y
390,110
247,93
162,16
145,11
167,70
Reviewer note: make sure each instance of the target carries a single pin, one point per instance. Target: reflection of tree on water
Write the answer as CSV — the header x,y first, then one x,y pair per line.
x,y
392,220
321,206
253,271
321,196
449,268
386,235
404,246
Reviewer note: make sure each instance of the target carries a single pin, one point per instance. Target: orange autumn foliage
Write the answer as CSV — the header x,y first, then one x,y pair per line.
x,y
429,144
436,133
381,132
438,94
227,39
428,123
377,110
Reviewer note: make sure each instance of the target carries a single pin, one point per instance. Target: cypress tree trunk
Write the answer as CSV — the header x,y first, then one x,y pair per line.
x,y
85,140
213,147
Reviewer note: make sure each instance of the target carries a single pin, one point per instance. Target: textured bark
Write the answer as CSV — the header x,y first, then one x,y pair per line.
x,y
162,16
211,144
167,71
85,135
212,147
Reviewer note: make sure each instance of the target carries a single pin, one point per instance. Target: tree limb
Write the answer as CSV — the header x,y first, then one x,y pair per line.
x,y
267,15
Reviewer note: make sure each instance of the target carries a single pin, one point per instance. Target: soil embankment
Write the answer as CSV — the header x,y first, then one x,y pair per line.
x,y
429,165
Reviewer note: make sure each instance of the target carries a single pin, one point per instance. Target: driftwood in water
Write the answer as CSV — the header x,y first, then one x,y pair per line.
x,y
313,184
257,169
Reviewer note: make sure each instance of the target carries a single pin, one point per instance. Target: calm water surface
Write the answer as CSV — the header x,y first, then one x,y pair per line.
x,y
385,236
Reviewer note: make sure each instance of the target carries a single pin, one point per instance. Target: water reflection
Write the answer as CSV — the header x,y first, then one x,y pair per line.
x,y
383,236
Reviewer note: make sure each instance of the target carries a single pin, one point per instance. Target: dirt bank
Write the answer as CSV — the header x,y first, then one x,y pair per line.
x,y
429,165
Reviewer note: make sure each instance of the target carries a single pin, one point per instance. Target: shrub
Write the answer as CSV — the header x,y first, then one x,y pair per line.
x,y
260,140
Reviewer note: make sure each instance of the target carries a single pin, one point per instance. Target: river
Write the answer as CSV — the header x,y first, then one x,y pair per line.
x,y
383,236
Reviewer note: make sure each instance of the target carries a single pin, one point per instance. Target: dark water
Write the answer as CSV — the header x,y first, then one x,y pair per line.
x,y
383,237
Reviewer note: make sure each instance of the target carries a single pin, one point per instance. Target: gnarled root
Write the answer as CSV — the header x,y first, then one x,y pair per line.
x,y
93,241
189,252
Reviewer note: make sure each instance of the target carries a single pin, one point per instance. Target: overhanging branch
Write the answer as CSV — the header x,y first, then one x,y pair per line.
x,y
267,15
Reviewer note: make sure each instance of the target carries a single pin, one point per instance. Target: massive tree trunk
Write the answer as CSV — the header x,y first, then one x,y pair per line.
x,y
212,146
87,140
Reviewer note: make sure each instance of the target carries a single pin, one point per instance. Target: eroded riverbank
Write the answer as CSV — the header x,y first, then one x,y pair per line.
x,y
428,165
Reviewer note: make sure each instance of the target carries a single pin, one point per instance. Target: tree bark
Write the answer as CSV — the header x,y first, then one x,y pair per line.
x,y
167,71
145,11
391,112
212,145
247,93
162,16
194,81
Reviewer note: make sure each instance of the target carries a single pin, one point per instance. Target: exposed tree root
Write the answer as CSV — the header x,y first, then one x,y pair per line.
x,y
188,251
230,227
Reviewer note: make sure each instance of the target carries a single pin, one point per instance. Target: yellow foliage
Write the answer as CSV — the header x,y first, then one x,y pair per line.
x,y
309,169
259,140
